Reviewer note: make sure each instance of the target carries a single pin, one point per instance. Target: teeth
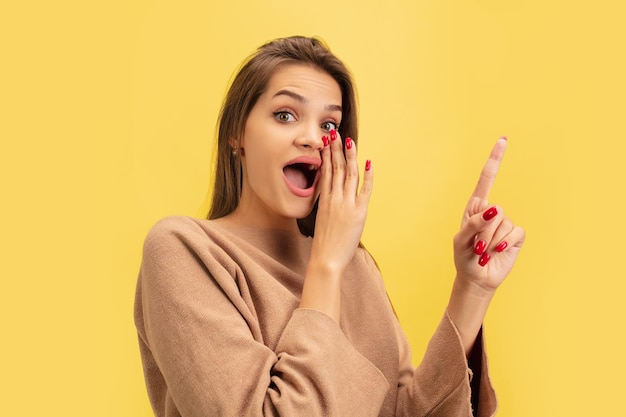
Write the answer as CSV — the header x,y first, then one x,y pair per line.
x,y
312,167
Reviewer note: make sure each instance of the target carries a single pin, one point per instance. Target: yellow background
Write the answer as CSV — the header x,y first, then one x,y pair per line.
x,y
107,122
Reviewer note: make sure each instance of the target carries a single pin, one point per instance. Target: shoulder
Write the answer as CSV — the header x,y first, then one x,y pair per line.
x,y
177,233
183,246
366,270
169,229
364,257
172,226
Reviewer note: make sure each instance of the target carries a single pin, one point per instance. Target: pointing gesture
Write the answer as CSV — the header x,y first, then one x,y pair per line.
x,y
479,199
486,246
485,249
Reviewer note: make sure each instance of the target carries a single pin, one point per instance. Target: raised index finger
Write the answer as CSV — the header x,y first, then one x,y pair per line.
x,y
490,170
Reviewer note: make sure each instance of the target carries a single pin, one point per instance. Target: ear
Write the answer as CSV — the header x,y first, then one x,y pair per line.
x,y
236,144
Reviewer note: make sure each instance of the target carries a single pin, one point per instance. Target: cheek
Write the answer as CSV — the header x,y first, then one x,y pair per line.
x,y
258,163
265,148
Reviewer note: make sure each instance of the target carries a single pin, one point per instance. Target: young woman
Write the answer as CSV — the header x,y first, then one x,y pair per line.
x,y
271,307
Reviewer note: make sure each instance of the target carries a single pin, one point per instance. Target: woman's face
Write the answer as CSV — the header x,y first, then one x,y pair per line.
x,y
281,143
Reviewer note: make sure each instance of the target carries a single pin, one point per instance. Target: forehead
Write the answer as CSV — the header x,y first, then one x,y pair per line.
x,y
312,83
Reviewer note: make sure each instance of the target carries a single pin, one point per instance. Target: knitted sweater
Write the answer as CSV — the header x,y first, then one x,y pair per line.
x,y
221,334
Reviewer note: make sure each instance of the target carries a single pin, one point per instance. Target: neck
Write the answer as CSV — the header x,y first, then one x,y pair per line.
x,y
247,217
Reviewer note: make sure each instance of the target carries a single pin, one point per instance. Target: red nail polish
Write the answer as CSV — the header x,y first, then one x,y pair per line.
x,y
501,246
480,247
348,143
333,134
484,259
490,214
325,140
368,165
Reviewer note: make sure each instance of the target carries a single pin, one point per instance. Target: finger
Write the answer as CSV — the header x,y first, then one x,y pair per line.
x,y
338,163
367,185
498,237
476,234
326,174
352,169
489,171
513,239
493,218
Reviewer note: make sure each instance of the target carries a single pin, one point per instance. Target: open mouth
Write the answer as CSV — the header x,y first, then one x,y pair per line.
x,y
301,175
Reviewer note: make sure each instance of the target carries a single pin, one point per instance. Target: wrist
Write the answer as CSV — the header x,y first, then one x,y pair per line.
x,y
467,308
472,289
322,289
323,268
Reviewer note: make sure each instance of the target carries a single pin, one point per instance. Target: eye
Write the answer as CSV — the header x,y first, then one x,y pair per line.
x,y
284,116
328,126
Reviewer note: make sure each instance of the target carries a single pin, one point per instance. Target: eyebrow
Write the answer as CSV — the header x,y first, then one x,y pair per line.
x,y
302,99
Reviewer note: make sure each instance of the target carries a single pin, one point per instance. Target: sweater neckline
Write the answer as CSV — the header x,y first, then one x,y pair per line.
x,y
290,249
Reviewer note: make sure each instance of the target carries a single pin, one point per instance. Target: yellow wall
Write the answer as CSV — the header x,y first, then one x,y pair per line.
x,y
106,123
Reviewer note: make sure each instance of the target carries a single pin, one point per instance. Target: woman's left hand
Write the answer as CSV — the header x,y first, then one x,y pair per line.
x,y
486,246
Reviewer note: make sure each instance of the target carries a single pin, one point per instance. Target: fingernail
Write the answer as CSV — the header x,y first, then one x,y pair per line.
x,y
490,214
501,246
484,259
325,140
333,134
348,143
504,137
480,247
368,165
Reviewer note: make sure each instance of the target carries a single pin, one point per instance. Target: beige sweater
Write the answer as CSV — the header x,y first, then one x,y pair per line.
x,y
221,334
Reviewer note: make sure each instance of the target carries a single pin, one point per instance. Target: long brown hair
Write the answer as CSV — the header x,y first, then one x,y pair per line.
x,y
246,88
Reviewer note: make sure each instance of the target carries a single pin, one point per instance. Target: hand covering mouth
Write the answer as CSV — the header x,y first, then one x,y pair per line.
x,y
301,175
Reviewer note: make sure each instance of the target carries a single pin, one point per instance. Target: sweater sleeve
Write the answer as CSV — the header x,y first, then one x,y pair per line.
x,y
445,384
201,357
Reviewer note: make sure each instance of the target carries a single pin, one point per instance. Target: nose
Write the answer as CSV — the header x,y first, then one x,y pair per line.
x,y
310,136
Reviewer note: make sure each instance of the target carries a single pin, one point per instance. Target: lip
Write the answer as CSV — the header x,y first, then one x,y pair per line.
x,y
307,192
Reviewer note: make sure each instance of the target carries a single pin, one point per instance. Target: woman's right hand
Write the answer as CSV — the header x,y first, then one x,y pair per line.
x,y
341,214
342,208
